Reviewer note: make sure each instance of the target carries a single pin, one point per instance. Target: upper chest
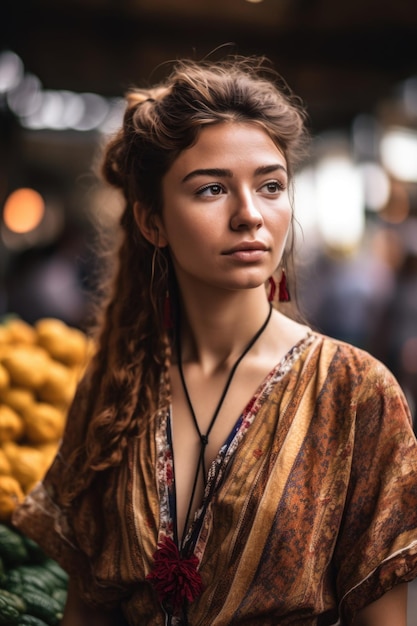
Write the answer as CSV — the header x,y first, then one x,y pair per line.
x,y
208,407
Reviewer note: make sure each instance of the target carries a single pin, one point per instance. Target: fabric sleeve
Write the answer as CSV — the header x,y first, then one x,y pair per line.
x,y
377,544
43,518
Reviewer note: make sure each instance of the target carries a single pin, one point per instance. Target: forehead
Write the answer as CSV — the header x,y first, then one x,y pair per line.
x,y
237,142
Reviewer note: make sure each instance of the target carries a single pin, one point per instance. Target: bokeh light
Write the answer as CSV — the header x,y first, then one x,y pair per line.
x,y
399,153
376,185
340,202
11,71
23,210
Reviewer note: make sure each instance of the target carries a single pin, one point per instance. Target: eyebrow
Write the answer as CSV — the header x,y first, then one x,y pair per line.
x,y
225,173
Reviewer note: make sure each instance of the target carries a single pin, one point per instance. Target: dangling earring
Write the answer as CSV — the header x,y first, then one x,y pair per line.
x,y
284,294
168,321
272,289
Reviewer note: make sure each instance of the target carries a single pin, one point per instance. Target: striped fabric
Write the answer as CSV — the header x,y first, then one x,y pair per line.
x,y
310,510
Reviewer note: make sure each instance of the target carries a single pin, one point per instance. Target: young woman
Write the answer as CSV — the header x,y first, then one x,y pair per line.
x,y
222,462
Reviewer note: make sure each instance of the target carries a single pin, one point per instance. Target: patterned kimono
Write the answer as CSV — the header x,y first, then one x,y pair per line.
x,y
309,514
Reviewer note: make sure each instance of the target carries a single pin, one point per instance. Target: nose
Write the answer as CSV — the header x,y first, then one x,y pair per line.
x,y
246,215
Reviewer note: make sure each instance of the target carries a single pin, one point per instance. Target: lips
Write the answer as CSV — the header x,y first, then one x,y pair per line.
x,y
247,246
247,252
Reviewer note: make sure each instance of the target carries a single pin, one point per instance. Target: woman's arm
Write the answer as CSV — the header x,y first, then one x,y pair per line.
x,y
77,613
389,609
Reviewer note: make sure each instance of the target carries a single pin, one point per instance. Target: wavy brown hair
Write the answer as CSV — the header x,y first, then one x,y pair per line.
x,y
133,345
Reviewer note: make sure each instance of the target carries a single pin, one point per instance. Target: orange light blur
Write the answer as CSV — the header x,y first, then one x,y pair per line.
x,y
23,210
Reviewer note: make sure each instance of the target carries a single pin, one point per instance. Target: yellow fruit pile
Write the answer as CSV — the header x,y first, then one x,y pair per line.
x,y
40,367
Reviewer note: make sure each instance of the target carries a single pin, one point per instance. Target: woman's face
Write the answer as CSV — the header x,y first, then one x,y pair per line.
x,y
226,211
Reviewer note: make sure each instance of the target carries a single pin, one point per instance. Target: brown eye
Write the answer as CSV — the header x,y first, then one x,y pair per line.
x,y
214,189
272,187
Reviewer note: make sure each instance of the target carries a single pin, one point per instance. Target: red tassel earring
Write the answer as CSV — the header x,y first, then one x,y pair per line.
x,y
272,289
284,294
168,321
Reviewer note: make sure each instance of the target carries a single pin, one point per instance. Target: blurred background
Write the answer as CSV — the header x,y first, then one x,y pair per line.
x,y
64,67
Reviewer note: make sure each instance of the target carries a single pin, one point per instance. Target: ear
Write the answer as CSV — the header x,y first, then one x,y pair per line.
x,y
150,226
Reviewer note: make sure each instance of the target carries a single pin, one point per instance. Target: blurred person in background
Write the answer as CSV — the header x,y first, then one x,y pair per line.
x,y
223,463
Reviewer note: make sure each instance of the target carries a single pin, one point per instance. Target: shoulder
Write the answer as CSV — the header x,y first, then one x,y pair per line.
x,y
350,358
358,379
355,373
339,355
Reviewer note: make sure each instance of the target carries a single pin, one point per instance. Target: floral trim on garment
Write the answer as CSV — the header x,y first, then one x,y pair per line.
x,y
165,479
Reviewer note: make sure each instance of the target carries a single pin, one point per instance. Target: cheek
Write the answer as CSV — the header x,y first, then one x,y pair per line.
x,y
282,232
281,222
184,233
191,225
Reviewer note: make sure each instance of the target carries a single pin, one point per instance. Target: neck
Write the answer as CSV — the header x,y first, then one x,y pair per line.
x,y
215,327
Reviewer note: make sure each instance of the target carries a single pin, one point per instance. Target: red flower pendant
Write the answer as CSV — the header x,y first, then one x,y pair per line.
x,y
174,577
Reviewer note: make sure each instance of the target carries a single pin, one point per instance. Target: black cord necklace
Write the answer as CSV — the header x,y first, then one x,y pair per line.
x,y
204,438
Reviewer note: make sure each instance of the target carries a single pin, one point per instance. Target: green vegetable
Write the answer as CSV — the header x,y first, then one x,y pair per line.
x,y
2,572
48,577
9,615
13,582
40,605
34,577
12,547
33,587
60,575
60,595
13,600
31,620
